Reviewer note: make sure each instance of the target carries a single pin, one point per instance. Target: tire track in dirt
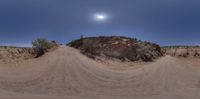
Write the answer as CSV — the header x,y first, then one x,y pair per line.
x,y
66,72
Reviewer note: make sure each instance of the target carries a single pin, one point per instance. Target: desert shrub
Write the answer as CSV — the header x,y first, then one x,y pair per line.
x,y
76,43
41,45
3,46
197,54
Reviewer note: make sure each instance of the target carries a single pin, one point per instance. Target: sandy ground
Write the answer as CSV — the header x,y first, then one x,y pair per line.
x,y
67,74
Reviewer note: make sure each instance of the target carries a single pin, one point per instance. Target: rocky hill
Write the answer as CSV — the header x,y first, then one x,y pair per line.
x,y
117,47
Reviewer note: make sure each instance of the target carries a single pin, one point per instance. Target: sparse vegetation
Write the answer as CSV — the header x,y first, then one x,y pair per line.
x,y
182,51
15,54
3,46
10,47
182,46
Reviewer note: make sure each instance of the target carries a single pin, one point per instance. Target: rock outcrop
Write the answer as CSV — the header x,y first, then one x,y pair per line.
x,y
119,47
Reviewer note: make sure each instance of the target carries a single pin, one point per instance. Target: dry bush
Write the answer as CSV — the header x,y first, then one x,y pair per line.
x,y
41,45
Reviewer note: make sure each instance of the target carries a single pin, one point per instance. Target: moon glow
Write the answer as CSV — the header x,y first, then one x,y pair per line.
x,y
100,17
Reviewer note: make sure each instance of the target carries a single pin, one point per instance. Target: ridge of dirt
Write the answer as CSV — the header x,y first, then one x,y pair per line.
x,y
183,51
17,55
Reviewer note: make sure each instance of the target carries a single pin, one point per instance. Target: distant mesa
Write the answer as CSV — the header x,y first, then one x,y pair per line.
x,y
118,47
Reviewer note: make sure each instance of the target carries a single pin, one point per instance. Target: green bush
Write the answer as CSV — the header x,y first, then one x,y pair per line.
x,y
41,45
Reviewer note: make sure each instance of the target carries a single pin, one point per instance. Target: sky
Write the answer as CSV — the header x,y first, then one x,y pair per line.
x,y
166,22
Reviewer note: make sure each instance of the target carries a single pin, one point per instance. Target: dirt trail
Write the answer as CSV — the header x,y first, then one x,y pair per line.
x,y
65,73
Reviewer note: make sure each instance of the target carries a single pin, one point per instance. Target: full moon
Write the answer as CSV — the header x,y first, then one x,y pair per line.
x,y
100,17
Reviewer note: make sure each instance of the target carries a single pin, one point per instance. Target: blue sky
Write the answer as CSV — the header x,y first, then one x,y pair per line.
x,y
166,22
